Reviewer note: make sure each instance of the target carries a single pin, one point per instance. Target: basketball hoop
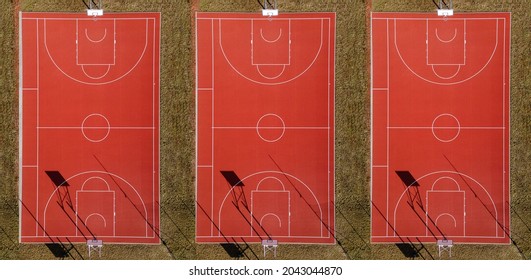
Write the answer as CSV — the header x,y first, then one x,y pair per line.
x,y
270,245
445,8
445,12
269,12
445,245
94,8
94,12
94,245
270,8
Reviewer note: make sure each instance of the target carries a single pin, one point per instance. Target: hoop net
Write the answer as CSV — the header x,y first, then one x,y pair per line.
x,y
270,8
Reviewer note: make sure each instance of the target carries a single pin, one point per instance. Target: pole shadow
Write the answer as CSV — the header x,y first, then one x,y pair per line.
x,y
61,244
155,230
230,249
236,188
499,223
409,243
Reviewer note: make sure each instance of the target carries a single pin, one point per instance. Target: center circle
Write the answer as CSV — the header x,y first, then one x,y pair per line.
x,y
270,128
446,127
95,127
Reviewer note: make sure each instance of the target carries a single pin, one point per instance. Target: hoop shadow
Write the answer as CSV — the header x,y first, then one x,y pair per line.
x,y
59,250
228,248
407,178
409,250
57,179
233,250
232,178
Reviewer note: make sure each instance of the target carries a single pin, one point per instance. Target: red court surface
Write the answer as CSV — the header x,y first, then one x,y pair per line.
x,y
265,127
89,127
440,127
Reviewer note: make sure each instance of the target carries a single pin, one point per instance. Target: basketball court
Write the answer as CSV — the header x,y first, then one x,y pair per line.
x,y
265,127
89,127
440,127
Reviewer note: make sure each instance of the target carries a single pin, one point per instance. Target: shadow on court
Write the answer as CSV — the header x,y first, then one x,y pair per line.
x,y
235,250
155,230
315,212
407,246
414,199
236,185
67,250
498,222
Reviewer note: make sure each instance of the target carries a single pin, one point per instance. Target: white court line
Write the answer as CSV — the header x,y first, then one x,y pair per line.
x,y
450,172
278,218
20,124
98,83
439,83
196,127
37,124
105,221
456,236
446,115
96,40
86,35
95,77
446,214
99,236
445,41
273,40
262,19
387,124
272,77
97,127
445,177
281,174
261,34
494,127
107,127
269,177
95,177
442,77
330,187
277,236
99,215
506,139
373,91
97,172
428,207
212,124
450,19
220,127
450,127
156,133
82,19
272,127
273,83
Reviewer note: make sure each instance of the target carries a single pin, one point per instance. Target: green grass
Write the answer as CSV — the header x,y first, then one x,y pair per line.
x,y
352,130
